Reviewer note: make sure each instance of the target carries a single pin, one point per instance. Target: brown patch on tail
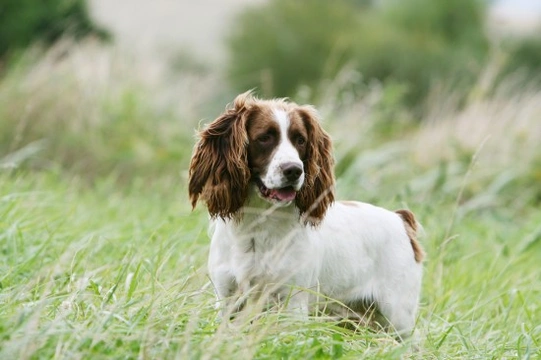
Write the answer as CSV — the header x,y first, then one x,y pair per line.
x,y
411,229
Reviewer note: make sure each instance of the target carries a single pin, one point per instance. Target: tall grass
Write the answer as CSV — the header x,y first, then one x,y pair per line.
x,y
94,110
101,256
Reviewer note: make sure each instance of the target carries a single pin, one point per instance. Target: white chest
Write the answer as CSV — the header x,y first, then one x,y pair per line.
x,y
270,255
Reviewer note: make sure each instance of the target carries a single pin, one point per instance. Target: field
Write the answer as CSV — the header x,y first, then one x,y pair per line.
x,y
102,257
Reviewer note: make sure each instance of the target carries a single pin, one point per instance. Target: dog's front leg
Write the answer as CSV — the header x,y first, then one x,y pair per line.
x,y
297,302
228,292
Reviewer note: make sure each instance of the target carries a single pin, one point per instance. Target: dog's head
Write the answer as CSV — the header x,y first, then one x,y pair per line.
x,y
274,146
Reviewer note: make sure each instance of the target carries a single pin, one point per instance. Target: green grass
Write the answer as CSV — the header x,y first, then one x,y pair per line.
x,y
96,273
109,262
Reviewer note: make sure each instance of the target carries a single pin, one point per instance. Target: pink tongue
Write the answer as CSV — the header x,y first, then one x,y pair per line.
x,y
285,194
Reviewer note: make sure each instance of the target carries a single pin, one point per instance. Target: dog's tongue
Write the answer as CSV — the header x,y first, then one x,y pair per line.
x,y
285,194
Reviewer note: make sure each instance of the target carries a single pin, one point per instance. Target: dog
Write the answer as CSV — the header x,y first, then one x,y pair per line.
x,y
264,168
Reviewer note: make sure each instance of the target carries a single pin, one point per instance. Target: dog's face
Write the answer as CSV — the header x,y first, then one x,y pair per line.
x,y
276,147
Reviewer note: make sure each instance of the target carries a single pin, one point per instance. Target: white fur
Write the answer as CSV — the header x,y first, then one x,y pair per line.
x,y
358,252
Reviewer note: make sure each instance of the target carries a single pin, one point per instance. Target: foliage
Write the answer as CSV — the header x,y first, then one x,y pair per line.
x,y
94,267
523,60
23,22
53,114
281,45
285,44
460,21
438,43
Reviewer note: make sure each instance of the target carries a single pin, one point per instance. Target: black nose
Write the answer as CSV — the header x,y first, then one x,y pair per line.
x,y
291,171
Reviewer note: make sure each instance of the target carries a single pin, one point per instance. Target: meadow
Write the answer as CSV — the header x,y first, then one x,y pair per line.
x,y
102,257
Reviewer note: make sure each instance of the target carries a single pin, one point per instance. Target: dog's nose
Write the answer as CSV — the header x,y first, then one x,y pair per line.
x,y
292,171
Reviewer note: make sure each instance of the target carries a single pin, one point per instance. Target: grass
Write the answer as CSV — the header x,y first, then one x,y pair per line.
x,y
108,260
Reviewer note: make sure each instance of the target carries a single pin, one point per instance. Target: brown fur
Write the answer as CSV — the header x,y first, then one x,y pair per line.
x,y
411,229
219,172
226,156
317,192
260,124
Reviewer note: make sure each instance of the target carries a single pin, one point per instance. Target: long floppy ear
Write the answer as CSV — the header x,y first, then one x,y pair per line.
x,y
317,193
219,172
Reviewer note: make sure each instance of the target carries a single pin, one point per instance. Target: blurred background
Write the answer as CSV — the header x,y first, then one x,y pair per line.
x,y
410,89
433,105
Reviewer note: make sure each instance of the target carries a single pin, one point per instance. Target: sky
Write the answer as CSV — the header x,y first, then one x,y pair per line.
x,y
522,4
519,8
517,16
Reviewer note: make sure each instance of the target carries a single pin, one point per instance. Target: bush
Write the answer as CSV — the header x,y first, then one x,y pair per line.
x,y
523,60
282,45
437,42
23,22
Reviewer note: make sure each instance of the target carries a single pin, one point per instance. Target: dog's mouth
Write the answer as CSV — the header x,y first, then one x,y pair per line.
x,y
285,194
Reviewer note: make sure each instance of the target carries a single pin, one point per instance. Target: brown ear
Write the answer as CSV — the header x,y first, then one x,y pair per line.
x,y
411,229
219,172
317,192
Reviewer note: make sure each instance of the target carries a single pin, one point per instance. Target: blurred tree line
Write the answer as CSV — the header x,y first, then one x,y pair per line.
x,y
24,22
283,46
280,46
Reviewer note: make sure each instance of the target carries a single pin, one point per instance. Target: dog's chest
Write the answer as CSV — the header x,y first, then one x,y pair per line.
x,y
268,257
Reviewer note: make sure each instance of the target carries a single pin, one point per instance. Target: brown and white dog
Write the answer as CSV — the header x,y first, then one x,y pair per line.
x,y
265,170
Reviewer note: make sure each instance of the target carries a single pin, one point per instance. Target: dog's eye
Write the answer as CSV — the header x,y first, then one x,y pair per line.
x,y
300,140
265,139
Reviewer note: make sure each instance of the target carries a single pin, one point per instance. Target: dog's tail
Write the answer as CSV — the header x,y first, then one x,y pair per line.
x,y
412,227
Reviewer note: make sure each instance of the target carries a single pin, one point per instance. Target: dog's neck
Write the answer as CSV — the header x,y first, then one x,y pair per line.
x,y
258,210
265,225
